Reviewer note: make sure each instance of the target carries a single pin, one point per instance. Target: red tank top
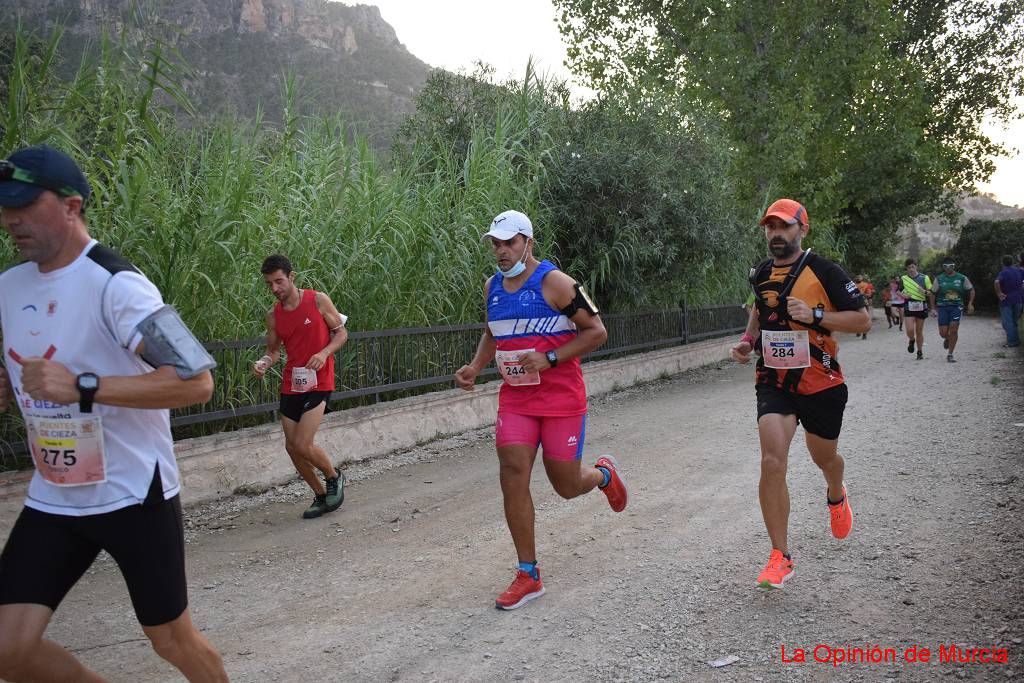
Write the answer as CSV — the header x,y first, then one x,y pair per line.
x,y
304,332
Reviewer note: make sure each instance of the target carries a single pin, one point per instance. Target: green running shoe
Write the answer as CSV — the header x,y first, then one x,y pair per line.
x,y
335,491
317,508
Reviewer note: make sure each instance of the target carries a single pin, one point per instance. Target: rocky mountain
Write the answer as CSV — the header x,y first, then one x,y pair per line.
x,y
346,58
930,232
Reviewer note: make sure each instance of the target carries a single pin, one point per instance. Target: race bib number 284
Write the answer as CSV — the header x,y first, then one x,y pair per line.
x,y
785,349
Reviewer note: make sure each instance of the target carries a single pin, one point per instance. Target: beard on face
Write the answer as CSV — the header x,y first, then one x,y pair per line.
x,y
781,249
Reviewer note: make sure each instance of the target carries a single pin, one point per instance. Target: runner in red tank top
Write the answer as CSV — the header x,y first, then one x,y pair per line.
x,y
312,330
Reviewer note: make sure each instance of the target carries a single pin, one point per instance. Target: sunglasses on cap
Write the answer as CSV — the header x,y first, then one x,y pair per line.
x,y
9,171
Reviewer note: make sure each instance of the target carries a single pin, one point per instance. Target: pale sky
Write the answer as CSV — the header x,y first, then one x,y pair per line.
x,y
1007,183
452,34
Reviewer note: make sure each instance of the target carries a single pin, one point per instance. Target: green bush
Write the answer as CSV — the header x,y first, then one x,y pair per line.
x,y
198,208
636,204
644,209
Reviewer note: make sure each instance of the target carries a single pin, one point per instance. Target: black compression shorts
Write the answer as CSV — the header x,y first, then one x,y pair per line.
x,y
47,554
907,313
294,406
821,414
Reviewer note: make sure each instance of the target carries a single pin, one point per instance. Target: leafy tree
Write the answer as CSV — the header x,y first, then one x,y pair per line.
x,y
867,112
631,202
646,211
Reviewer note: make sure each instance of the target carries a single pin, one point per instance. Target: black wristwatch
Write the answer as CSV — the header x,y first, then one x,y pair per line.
x,y
552,358
819,315
87,384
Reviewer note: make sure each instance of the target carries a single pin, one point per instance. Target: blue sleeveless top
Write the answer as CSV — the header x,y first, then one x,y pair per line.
x,y
522,320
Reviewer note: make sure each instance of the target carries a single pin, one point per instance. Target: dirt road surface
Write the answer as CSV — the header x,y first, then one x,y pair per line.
x,y
399,584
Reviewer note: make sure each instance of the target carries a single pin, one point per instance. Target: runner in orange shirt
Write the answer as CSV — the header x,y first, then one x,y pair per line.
x,y
802,300
868,291
886,295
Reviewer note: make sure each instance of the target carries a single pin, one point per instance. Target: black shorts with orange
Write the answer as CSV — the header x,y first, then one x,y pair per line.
x,y
820,414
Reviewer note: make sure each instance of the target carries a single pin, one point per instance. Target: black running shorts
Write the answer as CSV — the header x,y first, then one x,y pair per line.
x,y
821,414
294,406
47,554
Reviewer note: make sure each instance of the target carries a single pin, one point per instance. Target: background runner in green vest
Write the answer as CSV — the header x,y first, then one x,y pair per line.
x,y
916,287
950,287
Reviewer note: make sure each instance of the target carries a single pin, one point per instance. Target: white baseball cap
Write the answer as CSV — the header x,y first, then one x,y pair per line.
x,y
508,224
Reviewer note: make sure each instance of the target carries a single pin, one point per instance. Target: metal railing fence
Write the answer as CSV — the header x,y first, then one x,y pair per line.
x,y
387,364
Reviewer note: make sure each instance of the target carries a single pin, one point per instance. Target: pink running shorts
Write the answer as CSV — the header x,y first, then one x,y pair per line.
x,y
561,437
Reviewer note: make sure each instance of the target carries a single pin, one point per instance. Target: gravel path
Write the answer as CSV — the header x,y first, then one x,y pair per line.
x,y
399,584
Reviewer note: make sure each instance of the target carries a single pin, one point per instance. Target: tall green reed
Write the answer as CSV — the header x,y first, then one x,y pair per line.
x,y
198,207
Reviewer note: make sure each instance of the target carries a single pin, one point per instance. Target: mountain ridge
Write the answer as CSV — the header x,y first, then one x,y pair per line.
x,y
932,232
347,58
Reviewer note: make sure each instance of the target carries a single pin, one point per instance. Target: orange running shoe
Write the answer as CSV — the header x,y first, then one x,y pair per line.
x,y
841,515
616,489
776,571
523,589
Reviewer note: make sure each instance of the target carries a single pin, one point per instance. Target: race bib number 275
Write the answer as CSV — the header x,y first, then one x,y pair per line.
x,y
68,452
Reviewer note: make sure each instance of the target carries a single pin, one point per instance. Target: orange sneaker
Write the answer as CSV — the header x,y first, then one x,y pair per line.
x,y
523,589
841,516
616,489
776,571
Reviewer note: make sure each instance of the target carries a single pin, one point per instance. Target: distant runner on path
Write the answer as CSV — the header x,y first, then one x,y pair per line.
x,y
311,329
917,288
950,288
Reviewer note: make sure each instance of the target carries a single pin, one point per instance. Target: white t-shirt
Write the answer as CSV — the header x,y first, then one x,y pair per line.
x,y
85,316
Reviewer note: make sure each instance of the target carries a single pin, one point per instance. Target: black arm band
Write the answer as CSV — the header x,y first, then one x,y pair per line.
x,y
579,301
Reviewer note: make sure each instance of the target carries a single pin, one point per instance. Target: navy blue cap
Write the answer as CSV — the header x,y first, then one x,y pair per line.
x,y
40,168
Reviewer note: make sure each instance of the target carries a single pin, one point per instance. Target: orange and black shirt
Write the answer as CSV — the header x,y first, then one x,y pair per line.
x,y
821,284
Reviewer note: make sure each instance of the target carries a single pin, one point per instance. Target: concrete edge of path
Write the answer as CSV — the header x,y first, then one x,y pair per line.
x,y
254,459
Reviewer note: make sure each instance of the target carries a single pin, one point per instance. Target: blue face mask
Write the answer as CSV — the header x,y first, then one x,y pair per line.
x,y
519,266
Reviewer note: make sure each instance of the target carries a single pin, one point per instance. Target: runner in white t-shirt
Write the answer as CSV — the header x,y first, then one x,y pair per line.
x,y
83,330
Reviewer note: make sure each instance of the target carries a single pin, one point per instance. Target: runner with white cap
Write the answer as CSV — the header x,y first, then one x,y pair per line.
x,y
539,323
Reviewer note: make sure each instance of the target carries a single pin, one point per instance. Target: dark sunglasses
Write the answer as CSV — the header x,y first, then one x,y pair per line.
x,y
9,171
